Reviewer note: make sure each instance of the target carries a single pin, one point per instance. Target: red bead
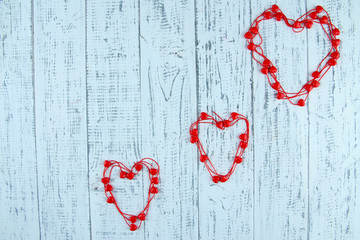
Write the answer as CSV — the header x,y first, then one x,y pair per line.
x,y
248,35
220,124
194,132
313,15
155,180
108,188
223,179
267,63
265,70
315,74
203,158
267,15
276,85
336,42
238,159
335,55
234,115
336,31
272,69
215,179
274,8
308,24
301,102
154,190
319,9
133,219
254,30
332,62
280,95
243,145
227,123
193,139
105,180
243,137
297,24
251,46
110,199
315,83
123,174
324,19
133,227
107,163
141,217
308,87
130,175
203,115
278,16
138,167
153,171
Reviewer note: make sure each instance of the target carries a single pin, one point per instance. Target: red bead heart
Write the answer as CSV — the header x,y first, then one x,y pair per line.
x,y
221,124
153,169
317,15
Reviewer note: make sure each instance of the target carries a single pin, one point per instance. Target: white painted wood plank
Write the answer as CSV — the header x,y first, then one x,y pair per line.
x,y
18,189
60,104
225,86
281,131
334,206
115,114
168,95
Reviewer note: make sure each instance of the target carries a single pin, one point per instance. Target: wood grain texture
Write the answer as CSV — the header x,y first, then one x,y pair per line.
x,y
281,132
18,185
224,86
168,95
334,211
115,113
60,107
84,81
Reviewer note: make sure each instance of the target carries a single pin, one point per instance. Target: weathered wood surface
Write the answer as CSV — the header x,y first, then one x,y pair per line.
x,y
84,81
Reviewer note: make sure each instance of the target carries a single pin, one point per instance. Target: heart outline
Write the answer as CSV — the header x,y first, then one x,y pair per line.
x,y
153,170
304,21
221,124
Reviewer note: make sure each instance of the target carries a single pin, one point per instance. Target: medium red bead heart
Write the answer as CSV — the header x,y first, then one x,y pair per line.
x,y
265,70
308,87
108,188
153,171
133,227
123,174
272,69
204,158
301,102
110,199
251,46
267,15
133,219
248,35
332,62
276,85
336,42
107,163
254,30
130,175
313,15
280,95
275,8
319,9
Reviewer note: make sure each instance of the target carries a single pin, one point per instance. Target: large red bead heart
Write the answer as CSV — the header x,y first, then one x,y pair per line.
x,y
220,124
153,169
318,16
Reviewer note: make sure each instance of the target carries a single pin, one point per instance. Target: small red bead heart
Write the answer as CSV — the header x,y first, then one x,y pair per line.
x,y
315,16
125,172
204,158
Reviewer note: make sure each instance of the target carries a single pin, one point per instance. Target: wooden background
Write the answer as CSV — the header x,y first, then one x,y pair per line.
x,y
84,81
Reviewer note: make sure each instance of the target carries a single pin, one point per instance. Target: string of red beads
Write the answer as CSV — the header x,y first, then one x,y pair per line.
x,y
317,15
153,168
221,124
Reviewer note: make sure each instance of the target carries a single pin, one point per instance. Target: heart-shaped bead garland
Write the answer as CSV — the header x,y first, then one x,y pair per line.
x,y
222,124
305,21
153,168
